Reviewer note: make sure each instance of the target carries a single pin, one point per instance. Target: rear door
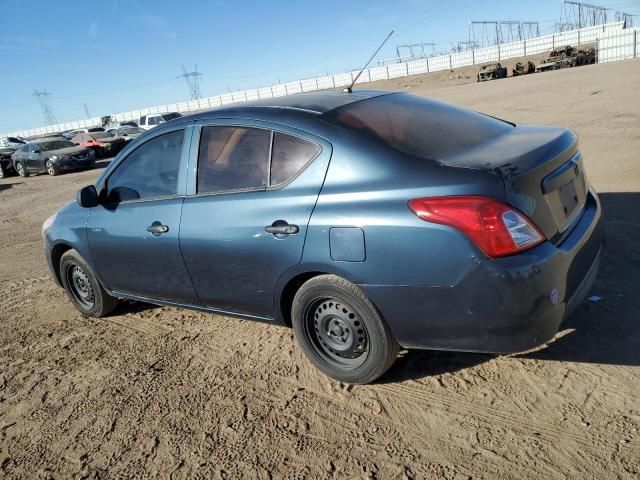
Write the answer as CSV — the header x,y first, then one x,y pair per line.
x,y
245,219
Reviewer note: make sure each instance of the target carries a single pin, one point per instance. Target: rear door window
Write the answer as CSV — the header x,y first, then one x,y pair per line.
x,y
233,158
289,156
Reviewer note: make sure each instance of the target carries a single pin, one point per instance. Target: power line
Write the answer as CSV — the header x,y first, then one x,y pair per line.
x,y
45,106
192,81
86,111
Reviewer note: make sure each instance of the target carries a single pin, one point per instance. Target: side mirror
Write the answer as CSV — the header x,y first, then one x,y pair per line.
x,y
36,151
88,197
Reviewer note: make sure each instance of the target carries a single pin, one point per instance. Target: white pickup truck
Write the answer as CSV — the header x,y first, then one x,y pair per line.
x,y
149,121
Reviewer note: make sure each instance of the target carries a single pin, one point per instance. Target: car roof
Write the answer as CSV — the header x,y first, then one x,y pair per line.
x,y
315,103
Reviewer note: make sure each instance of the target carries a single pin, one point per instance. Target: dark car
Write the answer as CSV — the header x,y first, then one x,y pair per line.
x,y
127,133
368,221
52,156
8,146
102,143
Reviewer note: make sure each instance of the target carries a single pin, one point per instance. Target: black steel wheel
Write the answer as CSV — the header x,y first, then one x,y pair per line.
x,y
336,332
341,331
82,286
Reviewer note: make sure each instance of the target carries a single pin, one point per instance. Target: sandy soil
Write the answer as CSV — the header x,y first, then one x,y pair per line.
x,y
154,392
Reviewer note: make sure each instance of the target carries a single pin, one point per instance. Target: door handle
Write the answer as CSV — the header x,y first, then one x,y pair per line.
x,y
157,229
281,228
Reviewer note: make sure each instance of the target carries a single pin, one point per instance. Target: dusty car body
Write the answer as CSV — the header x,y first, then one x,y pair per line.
x,y
523,68
567,57
491,72
51,155
102,143
368,221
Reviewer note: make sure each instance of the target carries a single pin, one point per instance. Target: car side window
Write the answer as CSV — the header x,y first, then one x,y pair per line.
x,y
143,120
152,121
150,171
289,156
233,158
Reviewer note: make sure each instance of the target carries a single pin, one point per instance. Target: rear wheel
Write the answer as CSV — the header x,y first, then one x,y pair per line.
x,y
21,170
51,168
83,288
341,331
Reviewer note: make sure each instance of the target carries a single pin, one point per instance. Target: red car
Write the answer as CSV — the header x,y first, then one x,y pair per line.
x,y
102,143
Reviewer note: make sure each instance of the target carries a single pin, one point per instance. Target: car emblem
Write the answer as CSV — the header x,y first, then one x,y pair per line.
x,y
554,296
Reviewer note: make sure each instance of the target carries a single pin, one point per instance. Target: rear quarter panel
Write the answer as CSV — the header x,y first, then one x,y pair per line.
x,y
368,186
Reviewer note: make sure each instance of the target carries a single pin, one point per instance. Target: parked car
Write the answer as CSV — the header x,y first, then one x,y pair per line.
x,y
368,221
149,121
492,71
116,125
74,133
8,146
127,133
102,143
51,156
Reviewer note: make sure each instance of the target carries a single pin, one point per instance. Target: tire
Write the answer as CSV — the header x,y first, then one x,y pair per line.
x,y
3,172
21,170
341,331
83,288
51,168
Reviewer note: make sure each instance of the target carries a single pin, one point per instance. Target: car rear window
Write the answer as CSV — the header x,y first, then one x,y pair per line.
x,y
289,156
418,126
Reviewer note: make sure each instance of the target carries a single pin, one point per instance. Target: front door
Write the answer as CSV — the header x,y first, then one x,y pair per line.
x,y
246,222
133,233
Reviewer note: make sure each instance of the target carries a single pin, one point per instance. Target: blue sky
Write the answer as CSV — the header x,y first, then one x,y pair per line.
x,y
119,55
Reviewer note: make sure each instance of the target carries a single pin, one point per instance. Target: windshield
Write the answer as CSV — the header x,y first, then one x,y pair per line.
x,y
95,129
55,145
417,126
98,135
171,116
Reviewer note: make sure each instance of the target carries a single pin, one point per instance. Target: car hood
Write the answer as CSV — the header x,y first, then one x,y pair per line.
x,y
68,151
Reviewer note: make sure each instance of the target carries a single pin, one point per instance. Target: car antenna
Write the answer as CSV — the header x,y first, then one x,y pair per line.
x,y
349,89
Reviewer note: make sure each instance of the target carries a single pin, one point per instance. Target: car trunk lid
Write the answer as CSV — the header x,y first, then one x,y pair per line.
x,y
542,171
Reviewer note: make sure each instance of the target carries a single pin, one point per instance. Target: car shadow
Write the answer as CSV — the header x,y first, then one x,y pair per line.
x,y
603,330
416,364
606,329
6,186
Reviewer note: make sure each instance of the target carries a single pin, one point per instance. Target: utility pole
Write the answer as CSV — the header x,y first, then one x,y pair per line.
x,y
45,106
192,81
86,111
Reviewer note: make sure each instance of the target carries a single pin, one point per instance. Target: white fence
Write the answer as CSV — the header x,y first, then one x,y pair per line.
x,y
613,42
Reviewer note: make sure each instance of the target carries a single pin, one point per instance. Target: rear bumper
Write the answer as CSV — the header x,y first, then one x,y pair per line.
x,y
504,305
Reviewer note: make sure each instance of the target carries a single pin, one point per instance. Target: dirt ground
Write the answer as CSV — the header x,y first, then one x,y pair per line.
x,y
153,392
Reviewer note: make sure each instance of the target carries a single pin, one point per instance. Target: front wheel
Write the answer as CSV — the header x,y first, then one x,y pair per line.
x,y
341,331
51,168
83,288
21,170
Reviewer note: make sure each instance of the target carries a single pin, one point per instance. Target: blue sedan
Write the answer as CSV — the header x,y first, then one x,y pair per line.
x,y
368,221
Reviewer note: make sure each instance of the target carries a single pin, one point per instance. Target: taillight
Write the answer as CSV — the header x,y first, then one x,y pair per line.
x,y
495,227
